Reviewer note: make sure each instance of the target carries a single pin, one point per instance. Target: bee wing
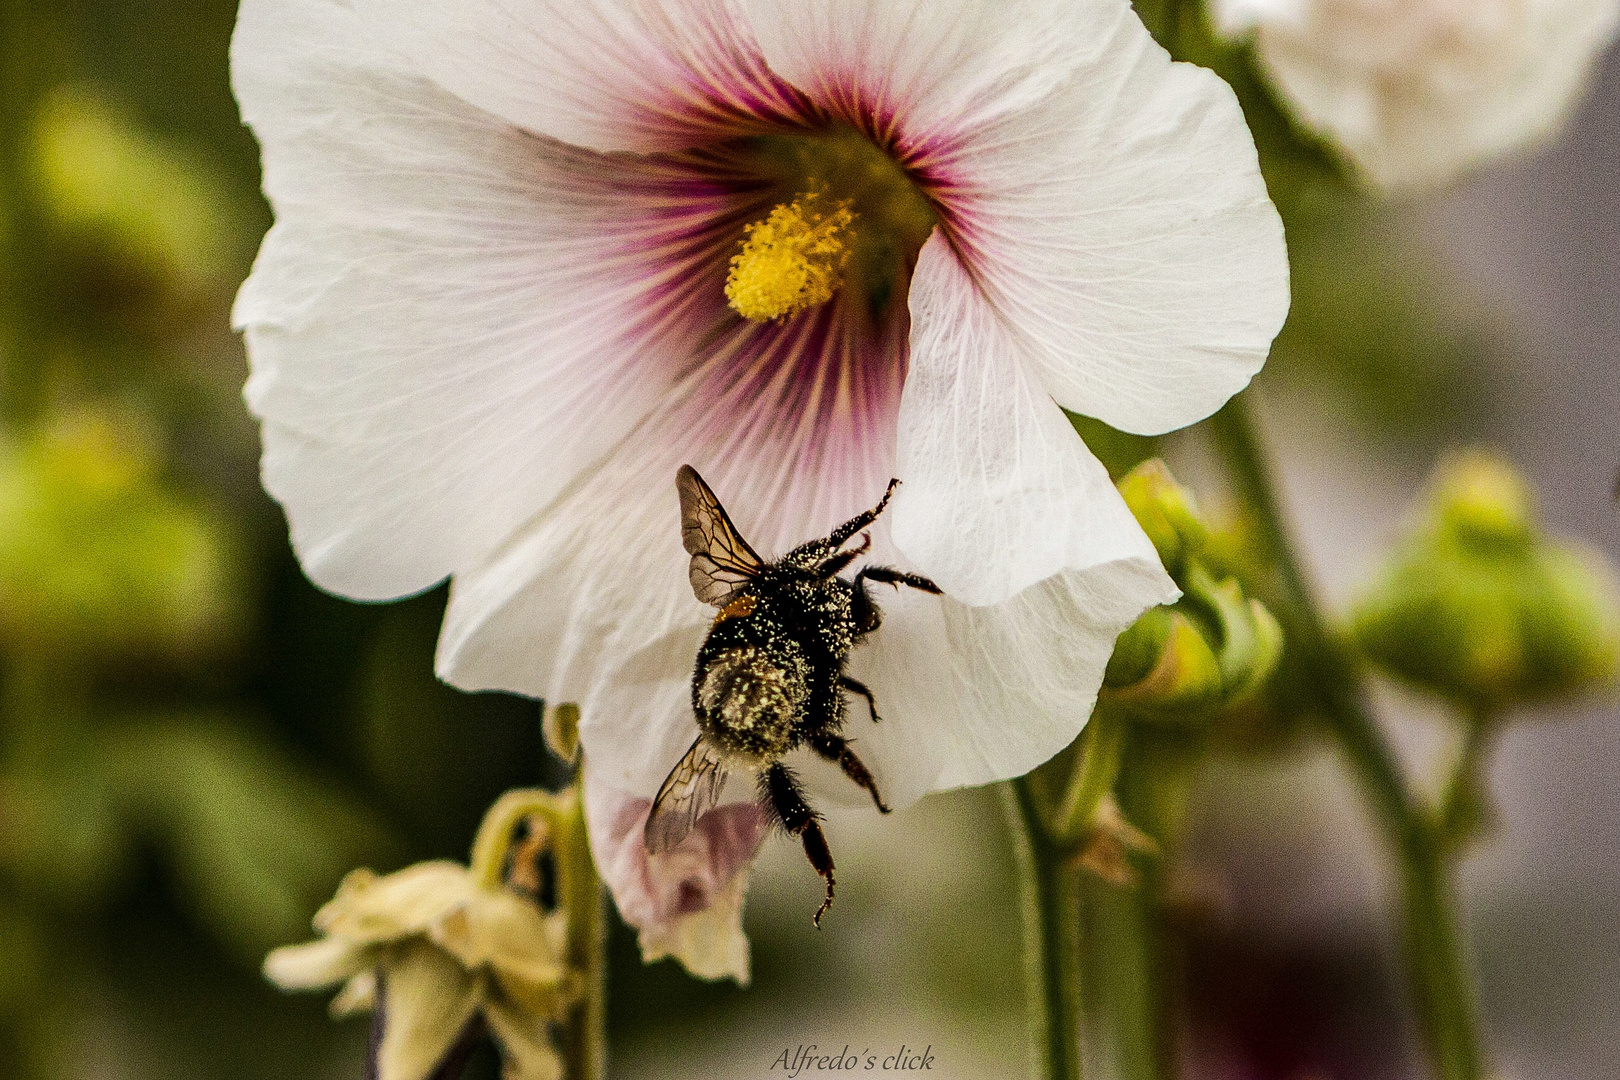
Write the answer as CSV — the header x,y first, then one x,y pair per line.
x,y
722,561
689,791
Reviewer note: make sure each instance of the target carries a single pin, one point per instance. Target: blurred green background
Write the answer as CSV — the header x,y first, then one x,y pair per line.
x,y
195,744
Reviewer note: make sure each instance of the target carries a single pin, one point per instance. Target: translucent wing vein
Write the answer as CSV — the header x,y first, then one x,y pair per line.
x,y
722,561
689,791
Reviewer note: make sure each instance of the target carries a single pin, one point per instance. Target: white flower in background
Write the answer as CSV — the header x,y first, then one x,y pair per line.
x,y
531,256
1417,91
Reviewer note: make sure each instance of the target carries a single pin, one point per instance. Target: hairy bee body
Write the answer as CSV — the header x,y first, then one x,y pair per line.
x,y
769,676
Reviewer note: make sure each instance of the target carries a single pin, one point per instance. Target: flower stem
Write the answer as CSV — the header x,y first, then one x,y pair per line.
x,y
584,1040
1465,805
1124,1019
579,892
1049,882
1104,743
1442,992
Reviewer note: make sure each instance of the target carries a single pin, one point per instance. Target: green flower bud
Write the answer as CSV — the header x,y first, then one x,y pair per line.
x,y
1163,666
1251,638
1166,511
1187,661
96,554
1483,502
1480,607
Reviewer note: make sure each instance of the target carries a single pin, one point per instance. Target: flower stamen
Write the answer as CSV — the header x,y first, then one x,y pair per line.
x,y
792,260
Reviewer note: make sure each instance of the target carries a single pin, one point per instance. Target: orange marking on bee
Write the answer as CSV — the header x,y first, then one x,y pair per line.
x,y
743,605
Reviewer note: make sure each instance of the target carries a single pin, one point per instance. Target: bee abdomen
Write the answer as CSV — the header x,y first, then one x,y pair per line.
x,y
748,699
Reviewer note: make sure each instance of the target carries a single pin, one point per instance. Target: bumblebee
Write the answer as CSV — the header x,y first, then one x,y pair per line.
x,y
770,675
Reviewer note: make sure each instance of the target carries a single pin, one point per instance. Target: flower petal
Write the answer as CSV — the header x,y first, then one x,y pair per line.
x,y
639,75
919,71
508,933
316,964
1038,657
999,492
686,903
368,908
451,318
526,1050
710,942
1121,228
358,995
972,695
792,425
428,998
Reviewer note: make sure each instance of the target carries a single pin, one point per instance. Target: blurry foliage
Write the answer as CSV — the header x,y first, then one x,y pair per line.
x,y
97,555
195,744
1380,331
141,225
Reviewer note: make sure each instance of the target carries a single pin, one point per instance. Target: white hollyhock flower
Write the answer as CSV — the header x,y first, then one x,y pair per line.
x,y
530,256
1417,91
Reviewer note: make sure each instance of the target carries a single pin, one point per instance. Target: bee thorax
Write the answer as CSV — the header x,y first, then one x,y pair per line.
x,y
748,699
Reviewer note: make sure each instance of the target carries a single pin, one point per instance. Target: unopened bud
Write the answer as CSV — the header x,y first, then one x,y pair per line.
x,y
1187,661
1163,665
1166,511
1480,607
1483,501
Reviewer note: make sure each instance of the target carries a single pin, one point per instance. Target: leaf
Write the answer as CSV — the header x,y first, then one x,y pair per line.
x,y
256,840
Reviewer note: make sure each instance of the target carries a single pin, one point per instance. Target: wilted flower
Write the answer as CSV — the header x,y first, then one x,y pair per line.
x,y
528,261
1416,91
686,903
438,945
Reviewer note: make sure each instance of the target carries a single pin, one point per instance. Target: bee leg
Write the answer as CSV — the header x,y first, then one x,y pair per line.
x,y
836,750
896,578
781,791
855,686
865,613
860,521
835,565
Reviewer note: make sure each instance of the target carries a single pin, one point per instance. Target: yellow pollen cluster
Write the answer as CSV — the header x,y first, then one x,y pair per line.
x,y
792,260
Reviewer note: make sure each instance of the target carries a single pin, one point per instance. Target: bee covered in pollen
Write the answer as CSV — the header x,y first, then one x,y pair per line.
x,y
770,674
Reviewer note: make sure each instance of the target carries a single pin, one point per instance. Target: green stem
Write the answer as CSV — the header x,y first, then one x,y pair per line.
x,y
1465,806
1126,1036
1049,882
579,892
1442,992
1095,775
585,1039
